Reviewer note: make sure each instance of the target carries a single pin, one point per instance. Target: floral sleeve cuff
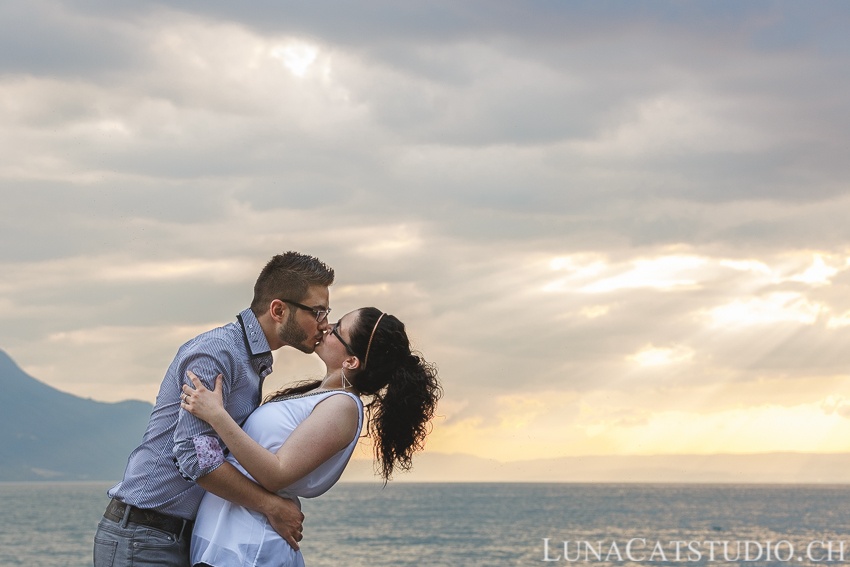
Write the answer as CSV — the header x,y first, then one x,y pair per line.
x,y
209,452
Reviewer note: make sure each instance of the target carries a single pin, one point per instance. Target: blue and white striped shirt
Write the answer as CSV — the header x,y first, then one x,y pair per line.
x,y
177,447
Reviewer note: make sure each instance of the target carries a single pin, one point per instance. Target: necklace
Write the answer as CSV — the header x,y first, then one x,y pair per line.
x,y
308,394
296,396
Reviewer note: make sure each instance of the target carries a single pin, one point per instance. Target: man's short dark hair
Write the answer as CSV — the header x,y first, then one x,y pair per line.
x,y
287,276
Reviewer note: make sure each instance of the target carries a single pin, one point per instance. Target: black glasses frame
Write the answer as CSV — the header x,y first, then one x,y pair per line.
x,y
347,346
321,314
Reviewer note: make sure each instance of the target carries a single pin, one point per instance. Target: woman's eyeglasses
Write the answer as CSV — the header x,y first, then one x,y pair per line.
x,y
348,348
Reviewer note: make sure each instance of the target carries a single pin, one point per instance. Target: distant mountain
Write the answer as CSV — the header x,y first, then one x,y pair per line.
x,y
46,434
761,468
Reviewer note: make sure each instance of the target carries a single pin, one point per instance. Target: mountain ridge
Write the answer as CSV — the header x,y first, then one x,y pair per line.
x,y
48,434
719,468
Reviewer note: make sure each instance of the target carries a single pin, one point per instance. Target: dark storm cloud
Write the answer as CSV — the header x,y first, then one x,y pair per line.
x,y
779,25
52,39
529,75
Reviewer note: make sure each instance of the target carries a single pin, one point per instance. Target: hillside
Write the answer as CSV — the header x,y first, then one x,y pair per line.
x,y
46,434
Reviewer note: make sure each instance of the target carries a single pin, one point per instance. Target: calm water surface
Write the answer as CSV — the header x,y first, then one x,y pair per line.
x,y
52,524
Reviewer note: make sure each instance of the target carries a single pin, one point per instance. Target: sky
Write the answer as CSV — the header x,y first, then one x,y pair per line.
x,y
617,228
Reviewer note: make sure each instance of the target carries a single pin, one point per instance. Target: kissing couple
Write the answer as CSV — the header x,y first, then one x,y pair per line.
x,y
217,478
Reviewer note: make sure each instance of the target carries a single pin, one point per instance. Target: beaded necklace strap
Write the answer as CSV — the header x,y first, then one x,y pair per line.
x,y
301,395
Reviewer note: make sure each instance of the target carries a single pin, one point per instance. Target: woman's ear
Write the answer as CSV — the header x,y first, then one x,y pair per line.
x,y
351,363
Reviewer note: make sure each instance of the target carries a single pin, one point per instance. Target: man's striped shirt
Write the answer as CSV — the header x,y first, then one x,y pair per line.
x,y
177,447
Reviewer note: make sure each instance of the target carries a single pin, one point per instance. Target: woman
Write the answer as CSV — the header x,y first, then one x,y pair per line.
x,y
299,441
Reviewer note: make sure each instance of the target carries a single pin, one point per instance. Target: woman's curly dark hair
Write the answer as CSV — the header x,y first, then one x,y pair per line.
x,y
404,389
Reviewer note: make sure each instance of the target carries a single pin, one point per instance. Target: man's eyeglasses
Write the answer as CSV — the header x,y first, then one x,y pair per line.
x,y
321,314
347,346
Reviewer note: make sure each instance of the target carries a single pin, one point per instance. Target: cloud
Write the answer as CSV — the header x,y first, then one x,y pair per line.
x,y
43,37
774,308
770,428
662,273
297,57
589,218
660,356
819,273
840,321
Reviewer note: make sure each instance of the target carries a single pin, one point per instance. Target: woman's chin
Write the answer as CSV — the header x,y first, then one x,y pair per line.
x,y
320,350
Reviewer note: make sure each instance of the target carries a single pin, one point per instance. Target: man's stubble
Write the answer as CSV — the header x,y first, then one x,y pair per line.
x,y
292,334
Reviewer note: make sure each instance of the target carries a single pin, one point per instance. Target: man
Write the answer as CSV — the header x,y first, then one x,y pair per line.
x,y
149,520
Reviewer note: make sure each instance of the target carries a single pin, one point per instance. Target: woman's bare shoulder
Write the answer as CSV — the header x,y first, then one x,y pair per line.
x,y
338,401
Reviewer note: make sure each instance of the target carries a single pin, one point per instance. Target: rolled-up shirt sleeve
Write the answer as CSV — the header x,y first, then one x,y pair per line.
x,y
198,450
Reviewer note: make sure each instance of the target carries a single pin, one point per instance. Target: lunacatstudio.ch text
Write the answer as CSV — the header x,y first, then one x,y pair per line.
x,y
682,551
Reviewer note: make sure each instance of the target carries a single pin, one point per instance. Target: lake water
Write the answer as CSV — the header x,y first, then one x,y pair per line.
x,y
354,525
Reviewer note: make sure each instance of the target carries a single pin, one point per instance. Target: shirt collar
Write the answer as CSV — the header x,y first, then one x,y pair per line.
x,y
255,339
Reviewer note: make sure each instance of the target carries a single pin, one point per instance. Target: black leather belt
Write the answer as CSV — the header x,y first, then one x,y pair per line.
x,y
151,518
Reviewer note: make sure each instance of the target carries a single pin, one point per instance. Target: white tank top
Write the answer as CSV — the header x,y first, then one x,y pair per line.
x,y
228,535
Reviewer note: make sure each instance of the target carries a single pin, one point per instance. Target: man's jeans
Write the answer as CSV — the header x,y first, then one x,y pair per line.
x,y
125,544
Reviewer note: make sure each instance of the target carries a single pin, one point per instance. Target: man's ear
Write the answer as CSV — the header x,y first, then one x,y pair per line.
x,y
278,310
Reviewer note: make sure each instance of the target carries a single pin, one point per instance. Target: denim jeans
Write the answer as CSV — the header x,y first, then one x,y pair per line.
x,y
127,544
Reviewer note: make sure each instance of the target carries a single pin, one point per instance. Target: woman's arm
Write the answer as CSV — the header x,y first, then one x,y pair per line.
x,y
327,430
